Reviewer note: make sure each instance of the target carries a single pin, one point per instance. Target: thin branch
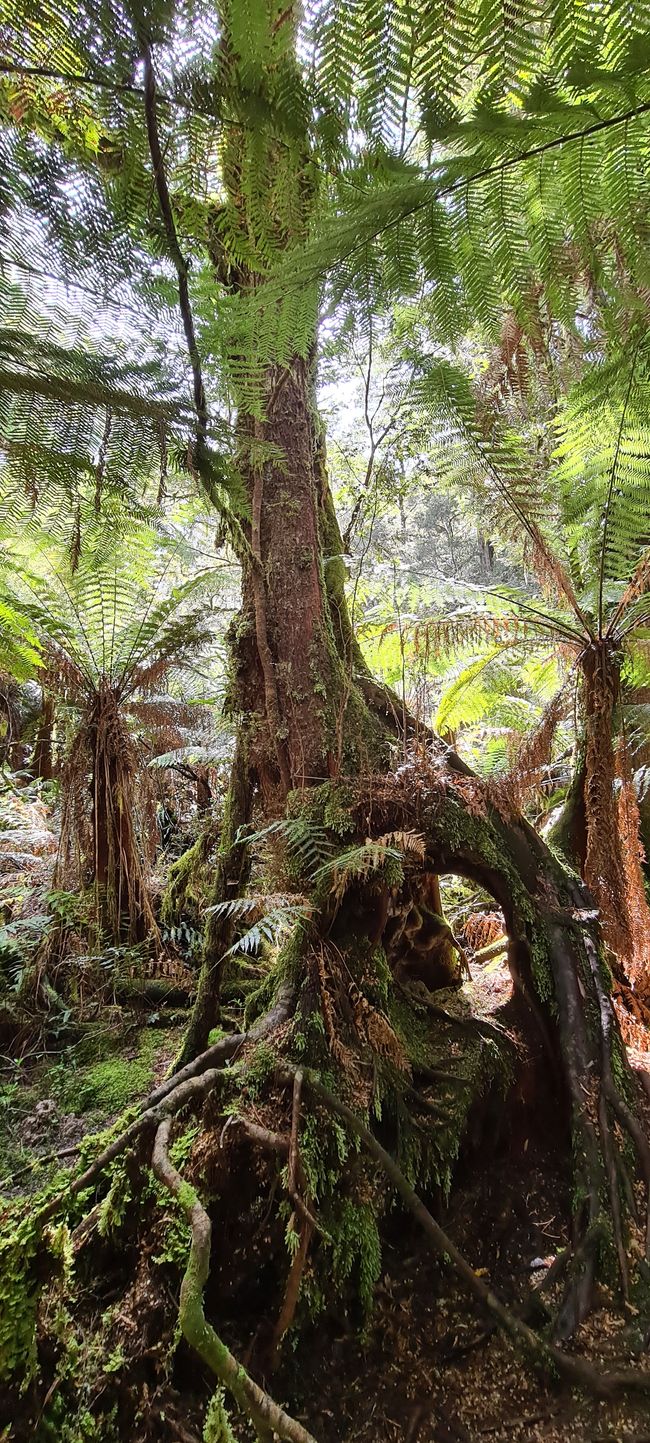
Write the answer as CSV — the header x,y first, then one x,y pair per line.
x,y
180,263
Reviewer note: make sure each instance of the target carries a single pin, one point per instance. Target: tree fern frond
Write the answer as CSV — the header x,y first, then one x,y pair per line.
x,y
356,864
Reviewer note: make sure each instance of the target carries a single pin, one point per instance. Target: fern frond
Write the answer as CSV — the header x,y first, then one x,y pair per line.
x,y
356,864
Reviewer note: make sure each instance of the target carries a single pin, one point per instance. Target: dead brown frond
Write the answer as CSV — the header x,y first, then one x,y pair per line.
x,y
530,761
374,1026
63,676
473,790
507,372
342,1054
633,854
402,842
347,1010
637,586
482,928
553,577
149,675
105,796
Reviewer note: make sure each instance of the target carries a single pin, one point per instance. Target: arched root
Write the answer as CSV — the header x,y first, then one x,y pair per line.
x,y
547,1356
267,1417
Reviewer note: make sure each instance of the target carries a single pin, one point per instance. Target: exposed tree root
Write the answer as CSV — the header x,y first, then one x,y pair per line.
x,y
192,1083
610,1091
266,1415
230,875
576,1370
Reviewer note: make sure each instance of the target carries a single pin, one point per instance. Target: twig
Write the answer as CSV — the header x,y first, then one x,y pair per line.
x,y
265,1414
276,1142
292,1290
180,263
37,1162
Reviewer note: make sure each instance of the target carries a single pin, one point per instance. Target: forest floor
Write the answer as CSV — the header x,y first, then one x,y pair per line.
x,y
426,1368
432,1370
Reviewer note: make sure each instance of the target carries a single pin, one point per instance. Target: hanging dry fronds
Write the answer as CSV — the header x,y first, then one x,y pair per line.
x,y
605,863
553,577
507,372
637,586
481,928
529,764
629,826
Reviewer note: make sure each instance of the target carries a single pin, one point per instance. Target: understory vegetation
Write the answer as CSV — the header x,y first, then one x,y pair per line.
x,y
324,721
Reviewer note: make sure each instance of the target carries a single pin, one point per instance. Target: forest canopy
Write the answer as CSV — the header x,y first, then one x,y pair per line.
x,y
324,719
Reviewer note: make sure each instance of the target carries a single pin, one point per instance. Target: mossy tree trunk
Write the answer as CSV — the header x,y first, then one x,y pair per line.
x,y
313,717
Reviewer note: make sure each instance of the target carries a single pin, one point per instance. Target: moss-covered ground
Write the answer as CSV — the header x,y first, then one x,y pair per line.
x,y
49,1103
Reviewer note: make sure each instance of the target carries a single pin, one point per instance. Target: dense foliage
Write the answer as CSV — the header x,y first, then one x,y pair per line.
x,y
324,612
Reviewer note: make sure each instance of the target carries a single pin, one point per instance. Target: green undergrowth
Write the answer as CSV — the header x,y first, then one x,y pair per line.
x,y
108,1084
47,1105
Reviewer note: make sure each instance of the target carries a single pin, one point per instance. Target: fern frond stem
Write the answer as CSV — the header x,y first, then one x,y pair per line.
x,y
180,263
532,529
631,593
610,492
486,171
514,160
133,657
546,623
97,82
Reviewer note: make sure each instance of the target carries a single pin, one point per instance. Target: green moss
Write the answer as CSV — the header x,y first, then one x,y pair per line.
x,y
187,883
216,1428
29,1258
356,1248
108,1086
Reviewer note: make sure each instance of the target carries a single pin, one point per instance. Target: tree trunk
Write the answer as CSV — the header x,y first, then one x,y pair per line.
x,y
124,907
315,722
569,833
41,765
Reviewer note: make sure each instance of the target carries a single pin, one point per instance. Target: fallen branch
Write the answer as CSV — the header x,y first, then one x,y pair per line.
x,y
576,1370
497,948
40,1161
267,1416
